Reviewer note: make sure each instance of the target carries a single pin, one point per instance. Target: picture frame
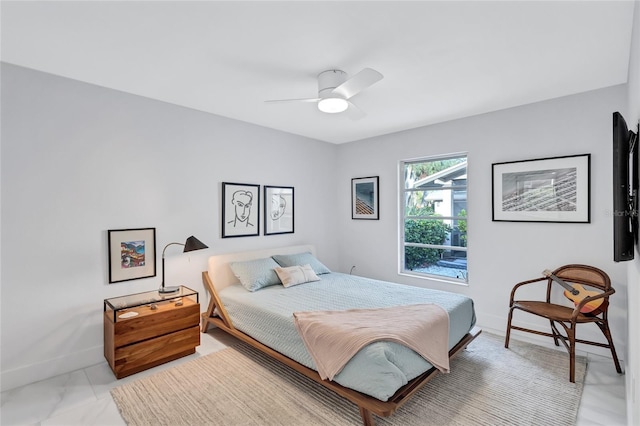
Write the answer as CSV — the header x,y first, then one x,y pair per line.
x,y
278,210
132,254
364,198
240,210
555,189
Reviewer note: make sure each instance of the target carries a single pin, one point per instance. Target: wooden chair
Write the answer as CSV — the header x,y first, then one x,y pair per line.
x,y
590,309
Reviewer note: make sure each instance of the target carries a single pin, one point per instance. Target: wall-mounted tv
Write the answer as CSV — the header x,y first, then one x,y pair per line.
x,y
625,189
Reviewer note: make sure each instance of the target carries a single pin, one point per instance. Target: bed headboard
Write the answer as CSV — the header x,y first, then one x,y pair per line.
x,y
221,275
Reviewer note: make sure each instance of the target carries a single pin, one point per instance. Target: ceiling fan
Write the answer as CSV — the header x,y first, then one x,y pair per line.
x,y
335,90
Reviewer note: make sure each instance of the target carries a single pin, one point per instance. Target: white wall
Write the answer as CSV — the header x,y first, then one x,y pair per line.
x,y
500,253
78,160
633,350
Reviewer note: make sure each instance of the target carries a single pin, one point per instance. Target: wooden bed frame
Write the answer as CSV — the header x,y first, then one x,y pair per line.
x,y
216,315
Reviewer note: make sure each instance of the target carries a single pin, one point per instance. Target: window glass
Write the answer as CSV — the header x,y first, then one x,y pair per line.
x,y
433,239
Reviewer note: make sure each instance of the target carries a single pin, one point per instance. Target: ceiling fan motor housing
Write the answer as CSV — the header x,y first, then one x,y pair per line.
x,y
329,80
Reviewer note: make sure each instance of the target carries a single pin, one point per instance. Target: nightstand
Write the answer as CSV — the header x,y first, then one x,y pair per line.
x,y
143,330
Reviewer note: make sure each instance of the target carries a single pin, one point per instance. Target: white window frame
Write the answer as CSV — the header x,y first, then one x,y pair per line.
x,y
401,221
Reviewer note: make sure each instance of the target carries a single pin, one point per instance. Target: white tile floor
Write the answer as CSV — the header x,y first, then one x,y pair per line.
x,y
82,397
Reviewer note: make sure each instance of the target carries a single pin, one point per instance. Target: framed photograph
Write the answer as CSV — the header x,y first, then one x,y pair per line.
x,y
278,210
543,190
240,210
132,254
364,198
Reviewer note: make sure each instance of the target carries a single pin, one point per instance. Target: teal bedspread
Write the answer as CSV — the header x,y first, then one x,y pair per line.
x,y
379,369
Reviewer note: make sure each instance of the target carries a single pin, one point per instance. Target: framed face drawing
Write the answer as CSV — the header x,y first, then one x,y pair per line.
x,y
278,210
240,207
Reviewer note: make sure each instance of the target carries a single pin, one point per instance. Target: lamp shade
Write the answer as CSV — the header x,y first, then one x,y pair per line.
x,y
193,243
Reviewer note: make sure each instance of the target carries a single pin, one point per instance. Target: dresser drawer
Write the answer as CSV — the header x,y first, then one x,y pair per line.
x,y
149,323
149,353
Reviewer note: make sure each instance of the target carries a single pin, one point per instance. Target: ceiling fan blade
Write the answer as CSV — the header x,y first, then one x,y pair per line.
x,y
358,82
355,113
294,100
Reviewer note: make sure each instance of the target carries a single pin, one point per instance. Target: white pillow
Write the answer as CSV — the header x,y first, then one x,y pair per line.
x,y
294,275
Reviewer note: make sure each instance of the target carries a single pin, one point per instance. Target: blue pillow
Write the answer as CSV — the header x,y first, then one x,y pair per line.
x,y
256,274
301,259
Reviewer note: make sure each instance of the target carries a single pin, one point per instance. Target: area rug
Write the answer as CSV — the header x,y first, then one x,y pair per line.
x,y
488,385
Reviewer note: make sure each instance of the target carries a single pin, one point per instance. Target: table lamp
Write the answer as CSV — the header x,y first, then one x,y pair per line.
x,y
191,244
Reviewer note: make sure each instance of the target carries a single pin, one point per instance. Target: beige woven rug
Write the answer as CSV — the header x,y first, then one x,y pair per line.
x,y
488,385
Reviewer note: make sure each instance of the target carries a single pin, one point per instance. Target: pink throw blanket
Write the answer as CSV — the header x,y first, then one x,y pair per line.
x,y
334,337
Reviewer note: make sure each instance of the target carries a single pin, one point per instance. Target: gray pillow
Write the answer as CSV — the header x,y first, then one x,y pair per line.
x,y
301,259
256,274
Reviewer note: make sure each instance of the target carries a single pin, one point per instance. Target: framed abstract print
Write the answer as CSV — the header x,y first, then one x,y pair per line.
x,y
132,254
364,198
553,189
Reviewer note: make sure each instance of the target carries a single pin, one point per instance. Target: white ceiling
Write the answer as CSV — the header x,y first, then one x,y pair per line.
x,y
441,60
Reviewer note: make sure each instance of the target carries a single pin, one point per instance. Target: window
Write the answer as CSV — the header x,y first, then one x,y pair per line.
x,y
433,217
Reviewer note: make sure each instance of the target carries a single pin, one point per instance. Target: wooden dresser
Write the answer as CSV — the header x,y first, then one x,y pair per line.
x,y
147,329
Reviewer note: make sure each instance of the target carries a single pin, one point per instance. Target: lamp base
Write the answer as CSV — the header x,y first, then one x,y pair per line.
x,y
168,290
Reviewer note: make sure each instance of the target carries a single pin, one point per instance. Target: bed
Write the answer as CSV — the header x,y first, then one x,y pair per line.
x,y
379,378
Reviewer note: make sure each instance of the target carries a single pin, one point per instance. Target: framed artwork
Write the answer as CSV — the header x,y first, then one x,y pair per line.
x,y
240,210
542,190
364,198
278,210
132,254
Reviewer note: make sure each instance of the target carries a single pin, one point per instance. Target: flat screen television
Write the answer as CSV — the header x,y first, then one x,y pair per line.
x,y
625,189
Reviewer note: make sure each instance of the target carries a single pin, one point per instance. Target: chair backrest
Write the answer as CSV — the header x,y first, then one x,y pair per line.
x,y
584,274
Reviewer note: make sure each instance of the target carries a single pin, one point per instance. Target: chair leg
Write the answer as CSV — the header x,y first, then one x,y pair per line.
x,y
508,335
607,333
571,334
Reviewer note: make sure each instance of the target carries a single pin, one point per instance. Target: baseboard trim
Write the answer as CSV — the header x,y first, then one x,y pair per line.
x,y
25,375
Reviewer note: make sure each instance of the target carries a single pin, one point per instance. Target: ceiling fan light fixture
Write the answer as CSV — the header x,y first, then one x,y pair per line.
x,y
333,105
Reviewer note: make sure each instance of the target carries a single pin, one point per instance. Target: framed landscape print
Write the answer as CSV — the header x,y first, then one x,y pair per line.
x,y
240,210
364,198
542,190
132,254
278,210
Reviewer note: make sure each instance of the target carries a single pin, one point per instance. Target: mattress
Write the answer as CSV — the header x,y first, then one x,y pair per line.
x,y
380,368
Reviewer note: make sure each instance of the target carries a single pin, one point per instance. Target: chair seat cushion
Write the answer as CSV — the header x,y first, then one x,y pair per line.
x,y
550,311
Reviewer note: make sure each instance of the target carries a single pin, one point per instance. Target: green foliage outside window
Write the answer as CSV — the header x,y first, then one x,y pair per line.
x,y
425,232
